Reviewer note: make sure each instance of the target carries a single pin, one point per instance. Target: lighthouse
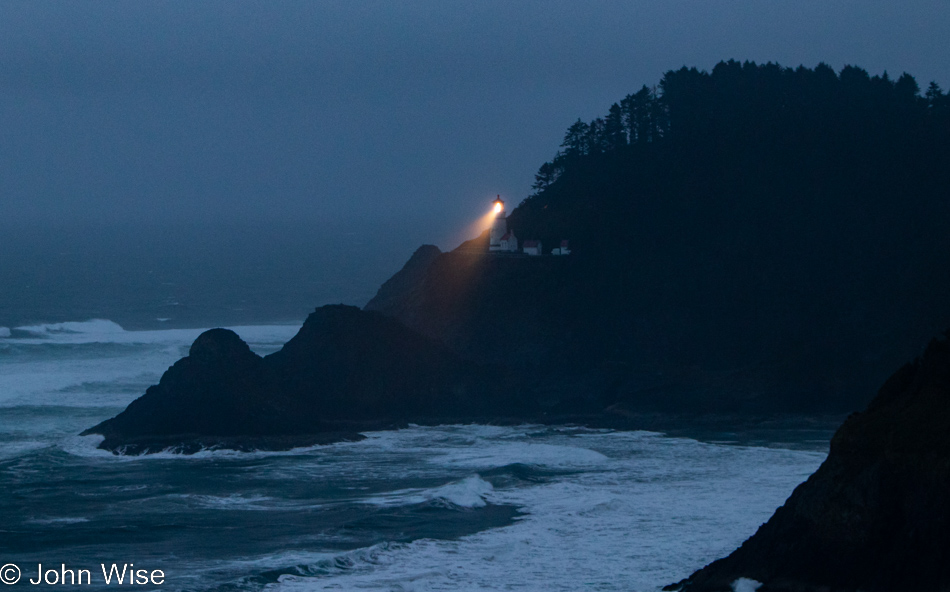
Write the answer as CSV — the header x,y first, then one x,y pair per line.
x,y
500,238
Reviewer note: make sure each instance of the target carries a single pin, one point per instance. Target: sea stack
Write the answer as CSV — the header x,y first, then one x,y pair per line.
x,y
876,514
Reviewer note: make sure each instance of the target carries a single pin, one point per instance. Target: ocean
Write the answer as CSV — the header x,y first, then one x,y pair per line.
x,y
458,507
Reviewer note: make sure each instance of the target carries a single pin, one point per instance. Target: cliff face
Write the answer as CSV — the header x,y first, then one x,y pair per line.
x,y
345,371
876,514
595,332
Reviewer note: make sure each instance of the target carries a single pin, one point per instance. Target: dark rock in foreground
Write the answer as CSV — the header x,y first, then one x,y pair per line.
x,y
344,372
876,514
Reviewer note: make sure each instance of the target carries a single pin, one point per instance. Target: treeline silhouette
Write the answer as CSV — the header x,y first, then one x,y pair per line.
x,y
748,103
789,223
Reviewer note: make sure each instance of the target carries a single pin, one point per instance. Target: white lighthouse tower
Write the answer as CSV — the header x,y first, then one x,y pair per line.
x,y
500,238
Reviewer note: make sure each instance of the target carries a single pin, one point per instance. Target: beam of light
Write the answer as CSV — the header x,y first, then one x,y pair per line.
x,y
479,226
497,208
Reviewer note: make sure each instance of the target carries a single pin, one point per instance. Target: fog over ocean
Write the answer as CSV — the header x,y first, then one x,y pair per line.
x,y
193,276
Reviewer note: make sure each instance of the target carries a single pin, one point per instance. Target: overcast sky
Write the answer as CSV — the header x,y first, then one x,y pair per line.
x,y
350,113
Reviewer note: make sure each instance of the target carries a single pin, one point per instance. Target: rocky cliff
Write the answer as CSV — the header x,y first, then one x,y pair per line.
x,y
595,333
876,514
345,371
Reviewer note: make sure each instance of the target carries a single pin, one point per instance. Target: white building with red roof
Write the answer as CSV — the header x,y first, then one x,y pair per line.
x,y
564,249
509,242
532,247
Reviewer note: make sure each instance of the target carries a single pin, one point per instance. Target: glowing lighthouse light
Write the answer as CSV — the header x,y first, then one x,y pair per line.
x,y
500,237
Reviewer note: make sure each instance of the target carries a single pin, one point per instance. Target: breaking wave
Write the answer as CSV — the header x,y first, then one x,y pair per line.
x,y
90,327
472,492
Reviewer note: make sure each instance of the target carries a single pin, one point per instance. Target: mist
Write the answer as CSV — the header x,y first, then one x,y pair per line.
x,y
321,143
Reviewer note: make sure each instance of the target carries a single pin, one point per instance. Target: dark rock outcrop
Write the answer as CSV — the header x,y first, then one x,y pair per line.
x,y
345,371
876,514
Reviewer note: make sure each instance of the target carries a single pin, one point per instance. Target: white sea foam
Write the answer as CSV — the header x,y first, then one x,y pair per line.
x,y
625,511
90,327
57,521
84,446
479,447
14,449
4,331
88,447
307,564
99,353
645,511
471,492
504,453
745,585
234,501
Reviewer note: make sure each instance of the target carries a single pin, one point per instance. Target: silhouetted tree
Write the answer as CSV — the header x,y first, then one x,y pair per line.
x,y
933,94
576,140
906,86
546,175
614,128
597,136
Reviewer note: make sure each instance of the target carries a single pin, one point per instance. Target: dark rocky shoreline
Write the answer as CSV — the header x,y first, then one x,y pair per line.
x,y
350,371
876,514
